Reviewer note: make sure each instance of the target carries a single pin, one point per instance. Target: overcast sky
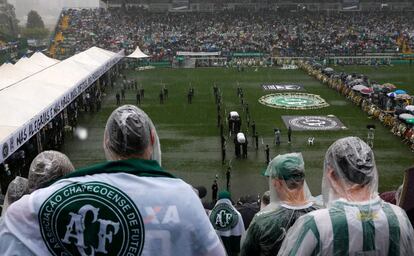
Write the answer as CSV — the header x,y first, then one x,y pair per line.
x,y
48,9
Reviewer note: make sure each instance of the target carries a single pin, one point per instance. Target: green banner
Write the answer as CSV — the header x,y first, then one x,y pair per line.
x,y
407,55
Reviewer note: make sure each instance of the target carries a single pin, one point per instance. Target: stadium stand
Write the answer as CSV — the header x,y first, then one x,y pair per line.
x,y
292,34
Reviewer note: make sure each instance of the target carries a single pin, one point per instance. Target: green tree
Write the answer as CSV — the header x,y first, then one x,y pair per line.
x,y
8,21
34,20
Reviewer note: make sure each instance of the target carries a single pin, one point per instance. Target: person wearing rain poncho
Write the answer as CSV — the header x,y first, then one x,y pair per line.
x,y
44,168
290,198
356,221
126,206
228,223
16,189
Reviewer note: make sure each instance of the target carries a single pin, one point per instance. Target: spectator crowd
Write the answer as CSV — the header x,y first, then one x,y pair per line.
x,y
312,34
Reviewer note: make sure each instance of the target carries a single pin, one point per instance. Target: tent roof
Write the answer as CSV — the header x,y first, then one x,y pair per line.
x,y
43,60
138,54
11,74
25,67
27,99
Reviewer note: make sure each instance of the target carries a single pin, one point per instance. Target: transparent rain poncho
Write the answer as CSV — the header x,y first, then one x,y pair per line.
x,y
289,171
128,132
290,198
351,164
16,189
357,221
48,166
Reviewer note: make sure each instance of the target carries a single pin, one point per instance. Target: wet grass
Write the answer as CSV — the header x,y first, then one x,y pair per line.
x,y
190,137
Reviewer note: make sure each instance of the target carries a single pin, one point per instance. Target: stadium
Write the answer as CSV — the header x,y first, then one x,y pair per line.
x,y
230,88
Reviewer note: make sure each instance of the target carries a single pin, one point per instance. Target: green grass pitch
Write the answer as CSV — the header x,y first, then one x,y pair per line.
x,y
189,135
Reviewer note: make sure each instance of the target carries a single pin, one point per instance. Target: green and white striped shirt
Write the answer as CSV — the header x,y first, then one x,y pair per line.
x,y
368,228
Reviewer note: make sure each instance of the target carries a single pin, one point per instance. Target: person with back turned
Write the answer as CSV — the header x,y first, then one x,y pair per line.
x,y
356,221
128,205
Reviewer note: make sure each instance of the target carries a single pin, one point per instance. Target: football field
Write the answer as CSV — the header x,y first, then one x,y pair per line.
x,y
190,141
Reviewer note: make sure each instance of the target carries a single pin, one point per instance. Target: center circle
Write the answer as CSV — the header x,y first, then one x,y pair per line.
x,y
293,101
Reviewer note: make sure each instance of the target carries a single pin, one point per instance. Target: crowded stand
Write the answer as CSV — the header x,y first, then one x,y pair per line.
x,y
301,34
130,204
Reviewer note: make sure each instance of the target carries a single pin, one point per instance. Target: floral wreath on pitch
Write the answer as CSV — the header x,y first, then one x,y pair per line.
x,y
293,100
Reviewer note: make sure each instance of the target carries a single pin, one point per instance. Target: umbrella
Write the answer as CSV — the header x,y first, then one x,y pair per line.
x,y
367,91
400,92
409,121
389,86
385,89
406,116
409,107
359,87
402,97
356,81
399,111
377,87
391,94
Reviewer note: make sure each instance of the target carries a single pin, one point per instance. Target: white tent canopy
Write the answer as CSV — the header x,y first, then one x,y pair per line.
x,y
8,64
25,67
29,66
42,60
22,60
37,62
10,74
29,104
138,54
